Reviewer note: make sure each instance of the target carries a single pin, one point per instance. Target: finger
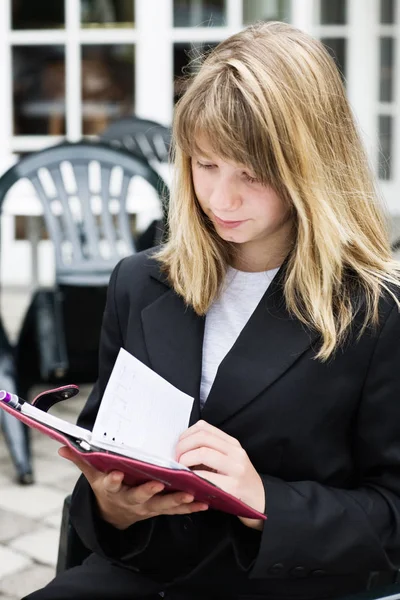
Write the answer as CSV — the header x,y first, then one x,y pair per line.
x,y
142,493
89,472
204,426
210,458
203,438
221,481
187,509
163,503
113,482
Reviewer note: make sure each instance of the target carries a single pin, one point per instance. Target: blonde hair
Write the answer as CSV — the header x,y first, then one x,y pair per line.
x,y
271,98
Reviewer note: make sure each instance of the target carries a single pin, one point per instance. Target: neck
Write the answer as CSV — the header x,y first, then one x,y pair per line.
x,y
253,257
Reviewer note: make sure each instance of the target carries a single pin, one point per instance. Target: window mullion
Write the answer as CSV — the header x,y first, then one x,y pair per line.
x,y
362,69
302,14
234,13
73,71
154,68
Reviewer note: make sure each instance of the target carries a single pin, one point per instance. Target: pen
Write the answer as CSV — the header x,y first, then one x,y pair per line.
x,y
11,399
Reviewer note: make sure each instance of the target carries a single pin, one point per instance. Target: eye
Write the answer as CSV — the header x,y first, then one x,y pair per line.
x,y
204,165
249,178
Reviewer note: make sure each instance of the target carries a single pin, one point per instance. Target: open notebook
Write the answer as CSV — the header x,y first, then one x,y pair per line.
x,y
140,419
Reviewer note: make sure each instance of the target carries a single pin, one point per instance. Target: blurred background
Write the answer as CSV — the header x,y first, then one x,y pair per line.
x,y
70,70
71,67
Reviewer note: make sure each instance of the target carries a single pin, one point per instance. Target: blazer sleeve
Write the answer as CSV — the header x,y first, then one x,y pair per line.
x,y
317,529
95,533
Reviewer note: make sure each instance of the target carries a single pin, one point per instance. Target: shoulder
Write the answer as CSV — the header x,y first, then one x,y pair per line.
x,y
137,268
136,281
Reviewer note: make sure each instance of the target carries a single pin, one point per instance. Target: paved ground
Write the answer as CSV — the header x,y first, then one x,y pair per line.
x,y
30,516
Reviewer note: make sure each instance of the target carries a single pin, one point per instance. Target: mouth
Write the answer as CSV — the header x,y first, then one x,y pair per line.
x,y
227,224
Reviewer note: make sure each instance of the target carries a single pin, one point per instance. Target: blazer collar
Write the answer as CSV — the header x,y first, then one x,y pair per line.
x,y
270,343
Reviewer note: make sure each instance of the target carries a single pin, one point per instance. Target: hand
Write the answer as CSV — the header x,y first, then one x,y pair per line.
x,y
122,506
230,467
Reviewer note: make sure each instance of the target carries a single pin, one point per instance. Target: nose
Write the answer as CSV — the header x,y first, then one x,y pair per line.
x,y
225,197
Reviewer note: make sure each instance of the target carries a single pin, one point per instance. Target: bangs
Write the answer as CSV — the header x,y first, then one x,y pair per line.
x,y
216,113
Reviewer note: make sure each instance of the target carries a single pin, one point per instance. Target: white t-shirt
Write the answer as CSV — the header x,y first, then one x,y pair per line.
x,y
226,318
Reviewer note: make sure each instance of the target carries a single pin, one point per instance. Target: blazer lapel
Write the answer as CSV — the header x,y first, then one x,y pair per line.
x,y
269,344
174,338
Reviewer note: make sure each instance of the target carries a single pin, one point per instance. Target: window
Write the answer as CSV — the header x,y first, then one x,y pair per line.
x,y
186,58
386,92
333,12
385,142
39,89
107,79
337,49
110,14
387,45
195,13
266,10
387,10
40,14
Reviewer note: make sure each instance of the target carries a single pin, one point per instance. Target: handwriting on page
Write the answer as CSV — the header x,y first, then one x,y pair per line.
x,y
141,410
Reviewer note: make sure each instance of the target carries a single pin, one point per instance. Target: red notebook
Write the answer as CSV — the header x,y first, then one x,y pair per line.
x,y
137,465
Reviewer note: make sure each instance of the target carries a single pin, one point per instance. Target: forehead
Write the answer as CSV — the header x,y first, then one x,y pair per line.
x,y
202,148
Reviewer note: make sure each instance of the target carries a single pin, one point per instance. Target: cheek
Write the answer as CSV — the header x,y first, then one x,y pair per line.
x,y
273,208
201,189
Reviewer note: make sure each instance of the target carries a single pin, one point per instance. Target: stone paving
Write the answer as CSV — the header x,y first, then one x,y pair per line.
x,y
30,516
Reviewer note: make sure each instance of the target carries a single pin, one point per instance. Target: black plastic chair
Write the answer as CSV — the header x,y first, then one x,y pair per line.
x,y
90,230
144,138
150,141
71,550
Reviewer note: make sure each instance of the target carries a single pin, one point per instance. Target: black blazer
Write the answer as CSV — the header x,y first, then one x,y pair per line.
x,y
325,438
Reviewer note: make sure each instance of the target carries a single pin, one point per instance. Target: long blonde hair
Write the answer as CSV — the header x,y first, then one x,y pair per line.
x,y
271,98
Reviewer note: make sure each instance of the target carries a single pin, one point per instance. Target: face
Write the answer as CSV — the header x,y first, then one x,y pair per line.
x,y
242,210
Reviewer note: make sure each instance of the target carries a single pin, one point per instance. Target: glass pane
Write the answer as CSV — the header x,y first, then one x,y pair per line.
x,y
387,12
39,90
385,143
266,10
333,12
108,13
386,69
186,58
37,14
337,49
107,85
199,13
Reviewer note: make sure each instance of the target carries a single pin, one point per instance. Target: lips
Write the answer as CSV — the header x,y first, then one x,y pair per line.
x,y
227,224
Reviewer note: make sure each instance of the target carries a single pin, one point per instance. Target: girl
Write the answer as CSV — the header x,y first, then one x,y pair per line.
x,y
274,303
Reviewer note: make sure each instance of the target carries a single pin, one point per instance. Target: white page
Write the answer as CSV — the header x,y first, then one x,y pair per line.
x,y
55,422
141,410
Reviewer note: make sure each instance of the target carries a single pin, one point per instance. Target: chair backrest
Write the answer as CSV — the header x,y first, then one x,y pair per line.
x,y
84,189
147,139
